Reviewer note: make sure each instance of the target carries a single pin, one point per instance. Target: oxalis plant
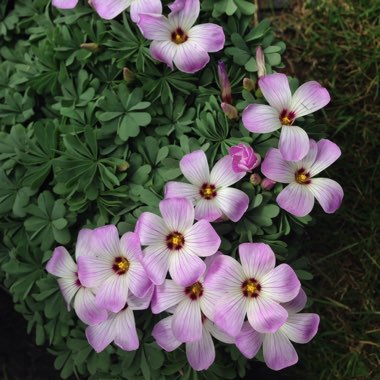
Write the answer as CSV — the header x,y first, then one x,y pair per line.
x,y
156,178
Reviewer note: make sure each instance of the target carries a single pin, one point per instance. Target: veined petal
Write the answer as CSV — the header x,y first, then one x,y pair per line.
x,y
279,353
94,271
68,289
210,37
307,162
113,294
208,301
155,27
328,153
105,241
207,209
276,168
163,51
86,308
178,214
276,90
190,57
144,6
61,264
265,315
294,143
83,245
296,199
249,341
296,304
184,13
135,303
164,336
280,284
130,246
151,229
261,118
233,203
201,354
65,4
201,239
329,193
194,167
126,335
167,295
257,259
156,262
139,282
301,327
187,321
101,335
186,190
308,98
222,174
217,333
109,9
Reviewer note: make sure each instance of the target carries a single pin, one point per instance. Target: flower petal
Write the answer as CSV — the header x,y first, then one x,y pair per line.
x,y
307,162
144,6
207,209
139,282
94,271
279,353
217,333
184,13
113,294
233,203
126,335
294,143
201,354
222,174
249,341
130,246
329,193
190,57
178,214
179,189
328,153
61,264
276,168
261,118
155,27
265,315
105,241
164,336
151,229
167,295
257,259
65,4
109,9
68,287
156,263
308,98
163,51
135,303
296,199
83,245
296,304
101,335
210,37
276,91
209,299
301,327
86,308
194,167
187,321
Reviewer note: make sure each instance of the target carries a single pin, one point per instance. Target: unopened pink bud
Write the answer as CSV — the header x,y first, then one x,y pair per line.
x,y
267,184
260,60
244,159
230,111
255,179
224,83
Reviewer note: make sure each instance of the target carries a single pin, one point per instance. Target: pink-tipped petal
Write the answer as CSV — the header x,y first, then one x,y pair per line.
x,y
194,167
109,9
276,168
297,303
184,13
61,263
208,301
163,51
164,336
279,353
144,6
217,333
126,335
83,245
249,341
307,162
301,328
207,209
86,308
151,229
190,57
155,27
210,37
294,143
178,214
308,98
130,246
328,153
101,335
329,193
276,91
201,354
167,295
156,263
261,118
65,4
105,241
112,295
179,189
233,203
280,284
139,282
187,321
68,287
257,259
222,174
296,199
185,268
201,239
94,271
265,315
135,303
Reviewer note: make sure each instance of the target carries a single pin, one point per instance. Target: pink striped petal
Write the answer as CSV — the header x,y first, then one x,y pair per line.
x,y
65,4
296,199
194,167
329,193
222,174
156,263
233,203
179,189
217,333
208,301
139,282
61,264
68,287
167,295
184,13
155,27
135,303
207,209
126,335
164,336
144,6
190,57
163,51
294,143
178,214
307,162
83,245
151,229
112,295
249,341
109,9
301,328
261,118
187,321
101,335
210,37
297,303
276,91
105,241
130,246
201,354
276,168
94,271
86,308
328,153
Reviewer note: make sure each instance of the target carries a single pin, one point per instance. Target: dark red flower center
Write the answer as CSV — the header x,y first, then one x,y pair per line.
x,y
207,191
194,291
302,177
175,241
179,36
250,288
287,117
120,265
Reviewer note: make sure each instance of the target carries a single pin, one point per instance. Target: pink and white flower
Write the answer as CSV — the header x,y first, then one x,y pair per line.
x,y
65,4
278,350
200,353
114,267
210,192
282,111
298,197
173,243
254,288
63,266
175,39
244,159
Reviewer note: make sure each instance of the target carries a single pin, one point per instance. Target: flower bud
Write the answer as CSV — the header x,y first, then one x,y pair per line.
x,y
244,159
260,60
255,179
93,47
267,184
128,75
230,111
248,84
123,167
224,83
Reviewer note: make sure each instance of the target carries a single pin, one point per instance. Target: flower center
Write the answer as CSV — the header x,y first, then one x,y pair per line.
x,y
179,36
207,191
194,291
250,288
120,265
77,282
287,117
175,241
302,177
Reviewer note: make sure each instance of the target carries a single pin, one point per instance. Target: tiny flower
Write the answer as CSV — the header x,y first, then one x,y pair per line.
x,y
63,266
114,267
255,179
260,60
210,192
278,350
298,197
224,83
109,9
267,184
175,39
200,353
254,288
173,243
282,112
120,327
244,159
230,111
65,4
